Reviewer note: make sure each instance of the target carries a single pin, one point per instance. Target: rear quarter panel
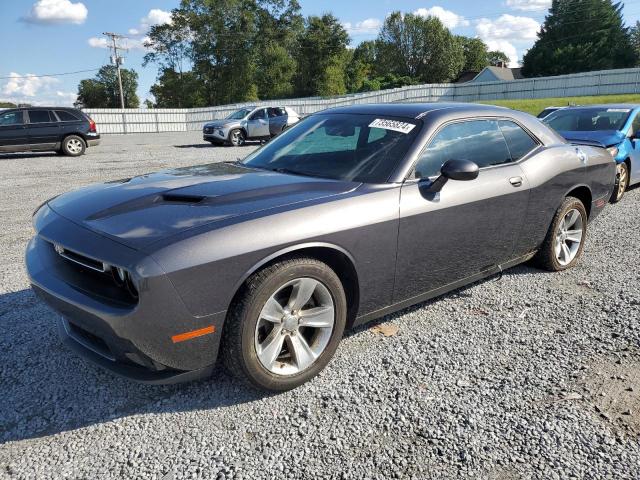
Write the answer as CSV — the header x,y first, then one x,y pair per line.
x,y
553,173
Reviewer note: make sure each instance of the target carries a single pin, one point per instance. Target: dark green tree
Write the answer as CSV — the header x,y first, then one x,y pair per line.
x,y
635,39
103,91
579,36
321,57
475,54
420,48
178,90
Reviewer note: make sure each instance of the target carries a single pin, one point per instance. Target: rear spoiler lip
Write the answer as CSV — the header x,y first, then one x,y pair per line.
x,y
590,143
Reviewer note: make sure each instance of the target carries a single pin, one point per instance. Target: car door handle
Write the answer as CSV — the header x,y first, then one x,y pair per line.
x,y
516,181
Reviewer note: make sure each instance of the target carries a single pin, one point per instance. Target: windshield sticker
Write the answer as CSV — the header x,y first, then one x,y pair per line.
x,y
395,125
618,110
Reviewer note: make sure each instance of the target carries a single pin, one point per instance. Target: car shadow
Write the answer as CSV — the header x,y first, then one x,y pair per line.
x,y
48,389
14,156
209,145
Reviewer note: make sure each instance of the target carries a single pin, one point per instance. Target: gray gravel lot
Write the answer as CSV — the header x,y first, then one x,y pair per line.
x,y
533,375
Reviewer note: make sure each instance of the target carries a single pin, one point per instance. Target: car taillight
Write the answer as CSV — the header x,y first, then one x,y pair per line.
x,y
92,126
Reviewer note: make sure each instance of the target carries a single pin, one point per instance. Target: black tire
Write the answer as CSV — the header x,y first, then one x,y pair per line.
x,y
238,344
237,137
73,146
622,182
546,257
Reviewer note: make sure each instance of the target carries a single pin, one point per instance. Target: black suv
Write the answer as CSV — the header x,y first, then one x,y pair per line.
x,y
64,130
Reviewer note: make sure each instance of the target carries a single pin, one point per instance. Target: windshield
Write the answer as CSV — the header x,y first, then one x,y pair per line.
x,y
240,114
361,148
588,119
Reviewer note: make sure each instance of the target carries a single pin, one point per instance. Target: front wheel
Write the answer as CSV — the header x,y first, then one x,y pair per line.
x,y
286,324
622,182
73,146
237,137
564,242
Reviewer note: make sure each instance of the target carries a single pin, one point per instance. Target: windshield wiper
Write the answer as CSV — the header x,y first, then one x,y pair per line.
x,y
295,172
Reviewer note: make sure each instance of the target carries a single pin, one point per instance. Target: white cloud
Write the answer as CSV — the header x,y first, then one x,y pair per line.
x,y
97,42
26,85
368,26
507,32
507,27
529,5
155,17
447,17
134,31
57,12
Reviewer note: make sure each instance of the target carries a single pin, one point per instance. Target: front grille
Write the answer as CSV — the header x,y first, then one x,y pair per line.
x,y
208,130
80,259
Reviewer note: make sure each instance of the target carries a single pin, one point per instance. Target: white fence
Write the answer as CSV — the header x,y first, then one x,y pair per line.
x,y
603,82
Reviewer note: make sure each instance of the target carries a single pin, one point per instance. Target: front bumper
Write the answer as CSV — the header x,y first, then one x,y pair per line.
x,y
218,135
132,339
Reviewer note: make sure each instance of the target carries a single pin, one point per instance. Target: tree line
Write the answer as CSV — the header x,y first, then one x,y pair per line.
x,y
217,52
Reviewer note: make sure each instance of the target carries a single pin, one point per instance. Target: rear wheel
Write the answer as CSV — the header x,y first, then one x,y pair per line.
x,y
286,324
564,242
73,146
622,182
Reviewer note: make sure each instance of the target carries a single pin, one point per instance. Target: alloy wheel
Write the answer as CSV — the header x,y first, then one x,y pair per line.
x,y
74,146
295,326
237,138
623,179
568,237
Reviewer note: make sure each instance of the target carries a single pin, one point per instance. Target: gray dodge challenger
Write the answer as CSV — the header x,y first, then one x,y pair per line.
x,y
349,215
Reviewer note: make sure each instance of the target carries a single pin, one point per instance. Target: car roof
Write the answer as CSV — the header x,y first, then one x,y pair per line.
x,y
605,105
415,110
44,108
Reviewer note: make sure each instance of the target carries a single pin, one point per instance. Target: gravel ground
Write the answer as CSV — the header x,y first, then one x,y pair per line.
x,y
533,375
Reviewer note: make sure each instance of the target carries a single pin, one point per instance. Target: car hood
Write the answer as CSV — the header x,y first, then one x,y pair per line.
x,y
604,137
144,209
222,123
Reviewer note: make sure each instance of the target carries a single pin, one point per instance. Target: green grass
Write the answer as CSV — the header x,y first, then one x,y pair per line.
x,y
535,106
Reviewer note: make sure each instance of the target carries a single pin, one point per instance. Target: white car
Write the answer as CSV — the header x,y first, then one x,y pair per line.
x,y
250,123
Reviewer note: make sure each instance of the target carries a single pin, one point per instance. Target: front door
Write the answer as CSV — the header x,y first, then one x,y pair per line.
x,y
44,130
13,131
258,124
469,226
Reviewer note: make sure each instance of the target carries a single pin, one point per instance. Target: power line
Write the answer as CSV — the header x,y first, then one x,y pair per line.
x,y
49,74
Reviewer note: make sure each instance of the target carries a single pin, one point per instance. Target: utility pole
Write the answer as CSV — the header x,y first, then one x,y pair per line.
x,y
117,59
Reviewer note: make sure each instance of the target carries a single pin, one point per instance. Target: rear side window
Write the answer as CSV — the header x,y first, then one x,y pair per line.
x,y
11,118
65,116
39,116
479,141
520,142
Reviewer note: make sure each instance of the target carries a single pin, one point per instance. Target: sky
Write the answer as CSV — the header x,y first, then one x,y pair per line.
x,y
43,37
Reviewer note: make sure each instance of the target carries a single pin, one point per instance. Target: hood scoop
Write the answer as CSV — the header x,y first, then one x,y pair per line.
x,y
182,198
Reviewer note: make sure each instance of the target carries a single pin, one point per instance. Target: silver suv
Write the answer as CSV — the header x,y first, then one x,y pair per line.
x,y
249,123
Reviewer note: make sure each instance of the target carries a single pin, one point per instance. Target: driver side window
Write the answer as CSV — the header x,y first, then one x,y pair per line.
x,y
259,115
479,141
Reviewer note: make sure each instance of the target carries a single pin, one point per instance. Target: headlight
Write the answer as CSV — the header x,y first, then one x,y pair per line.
x,y
613,151
123,279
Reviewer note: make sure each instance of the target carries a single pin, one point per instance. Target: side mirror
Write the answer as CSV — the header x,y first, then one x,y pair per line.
x,y
459,170
462,170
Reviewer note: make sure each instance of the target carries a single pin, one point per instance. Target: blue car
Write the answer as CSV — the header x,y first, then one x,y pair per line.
x,y
616,127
